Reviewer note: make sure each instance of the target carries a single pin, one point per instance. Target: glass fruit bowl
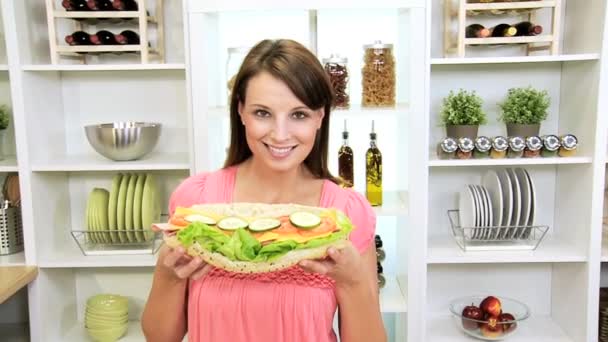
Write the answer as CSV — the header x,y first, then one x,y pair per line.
x,y
489,318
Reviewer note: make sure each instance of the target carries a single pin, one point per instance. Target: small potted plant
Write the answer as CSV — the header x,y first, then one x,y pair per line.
x,y
462,114
523,111
4,121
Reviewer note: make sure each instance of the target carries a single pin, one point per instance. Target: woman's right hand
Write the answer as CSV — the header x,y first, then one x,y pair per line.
x,y
183,266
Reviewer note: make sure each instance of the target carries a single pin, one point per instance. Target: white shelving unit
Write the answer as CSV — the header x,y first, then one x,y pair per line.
x,y
57,167
559,280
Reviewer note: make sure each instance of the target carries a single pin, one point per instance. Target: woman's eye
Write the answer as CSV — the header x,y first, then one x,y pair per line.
x,y
300,115
262,113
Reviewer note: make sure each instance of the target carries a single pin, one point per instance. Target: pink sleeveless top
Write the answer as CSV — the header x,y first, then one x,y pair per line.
x,y
289,305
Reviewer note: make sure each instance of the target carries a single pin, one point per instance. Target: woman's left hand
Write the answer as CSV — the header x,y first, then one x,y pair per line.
x,y
344,265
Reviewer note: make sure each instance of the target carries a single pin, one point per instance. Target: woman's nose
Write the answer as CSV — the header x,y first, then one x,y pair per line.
x,y
280,129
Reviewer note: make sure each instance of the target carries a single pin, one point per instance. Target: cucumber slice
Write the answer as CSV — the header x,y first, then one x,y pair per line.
x,y
232,223
304,220
264,224
200,218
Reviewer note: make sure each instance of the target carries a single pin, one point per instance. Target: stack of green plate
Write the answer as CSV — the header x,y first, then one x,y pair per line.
x,y
106,317
126,212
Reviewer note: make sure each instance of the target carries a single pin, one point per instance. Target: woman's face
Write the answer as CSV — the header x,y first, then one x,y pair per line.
x,y
280,129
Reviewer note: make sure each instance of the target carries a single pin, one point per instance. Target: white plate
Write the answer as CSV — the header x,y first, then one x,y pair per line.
x,y
466,208
507,200
532,218
478,212
484,211
490,233
526,199
491,182
516,203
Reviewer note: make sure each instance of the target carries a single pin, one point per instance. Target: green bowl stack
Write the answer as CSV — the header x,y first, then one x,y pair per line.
x,y
106,317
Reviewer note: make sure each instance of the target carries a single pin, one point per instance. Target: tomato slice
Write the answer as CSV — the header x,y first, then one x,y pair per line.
x,y
326,226
286,227
178,221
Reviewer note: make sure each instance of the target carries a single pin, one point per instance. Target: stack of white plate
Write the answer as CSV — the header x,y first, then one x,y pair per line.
x,y
106,317
125,213
506,200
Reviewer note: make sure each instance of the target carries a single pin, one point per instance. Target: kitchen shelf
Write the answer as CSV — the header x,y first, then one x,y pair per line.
x,y
153,161
509,5
213,6
444,250
100,48
393,296
516,59
9,164
78,333
508,40
103,67
434,162
15,332
394,204
16,259
442,328
3,67
72,257
101,15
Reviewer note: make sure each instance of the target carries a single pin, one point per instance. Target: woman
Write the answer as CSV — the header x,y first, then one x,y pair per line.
x,y
279,117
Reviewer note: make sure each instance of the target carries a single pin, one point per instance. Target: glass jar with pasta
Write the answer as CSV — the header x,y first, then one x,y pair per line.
x,y
378,81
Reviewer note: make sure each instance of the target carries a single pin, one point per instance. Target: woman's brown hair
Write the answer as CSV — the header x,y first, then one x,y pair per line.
x,y
301,71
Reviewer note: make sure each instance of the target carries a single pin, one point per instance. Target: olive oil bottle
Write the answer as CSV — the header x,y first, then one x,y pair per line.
x,y
373,171
345,161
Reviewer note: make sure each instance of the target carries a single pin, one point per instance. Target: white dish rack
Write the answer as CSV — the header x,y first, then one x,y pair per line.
x,y
495,238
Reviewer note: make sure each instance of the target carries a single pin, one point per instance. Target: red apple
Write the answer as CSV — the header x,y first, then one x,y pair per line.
x,y
471,312
491,305
491,328
507,317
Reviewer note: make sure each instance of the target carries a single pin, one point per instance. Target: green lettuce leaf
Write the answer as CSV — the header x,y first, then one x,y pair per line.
x,y
274,250
201,233
243,246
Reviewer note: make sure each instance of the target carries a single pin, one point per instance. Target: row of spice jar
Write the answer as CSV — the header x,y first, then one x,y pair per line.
x,y
511,147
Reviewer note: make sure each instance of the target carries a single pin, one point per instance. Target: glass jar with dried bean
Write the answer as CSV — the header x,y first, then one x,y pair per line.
x,y
337,70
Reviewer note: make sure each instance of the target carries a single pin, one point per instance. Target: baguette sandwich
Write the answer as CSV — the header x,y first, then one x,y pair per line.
x,y
255,237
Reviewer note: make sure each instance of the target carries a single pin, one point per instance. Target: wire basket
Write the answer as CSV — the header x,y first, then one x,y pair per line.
x,y
11,230
493,238
117,242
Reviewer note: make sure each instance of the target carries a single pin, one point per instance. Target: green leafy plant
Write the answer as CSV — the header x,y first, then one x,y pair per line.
x,y
463,108
526,106
4,116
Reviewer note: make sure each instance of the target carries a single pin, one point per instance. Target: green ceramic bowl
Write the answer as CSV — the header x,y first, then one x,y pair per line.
x,y
108,318
108,301
107,334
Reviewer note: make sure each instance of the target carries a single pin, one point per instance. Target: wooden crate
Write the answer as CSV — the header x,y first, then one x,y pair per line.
x,y
57,50
467,10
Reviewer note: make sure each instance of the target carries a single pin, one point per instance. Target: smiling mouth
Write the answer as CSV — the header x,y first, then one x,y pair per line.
x,y
279,151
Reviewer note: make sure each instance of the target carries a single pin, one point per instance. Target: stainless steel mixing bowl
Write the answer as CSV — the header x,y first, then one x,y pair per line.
x,y
123,140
